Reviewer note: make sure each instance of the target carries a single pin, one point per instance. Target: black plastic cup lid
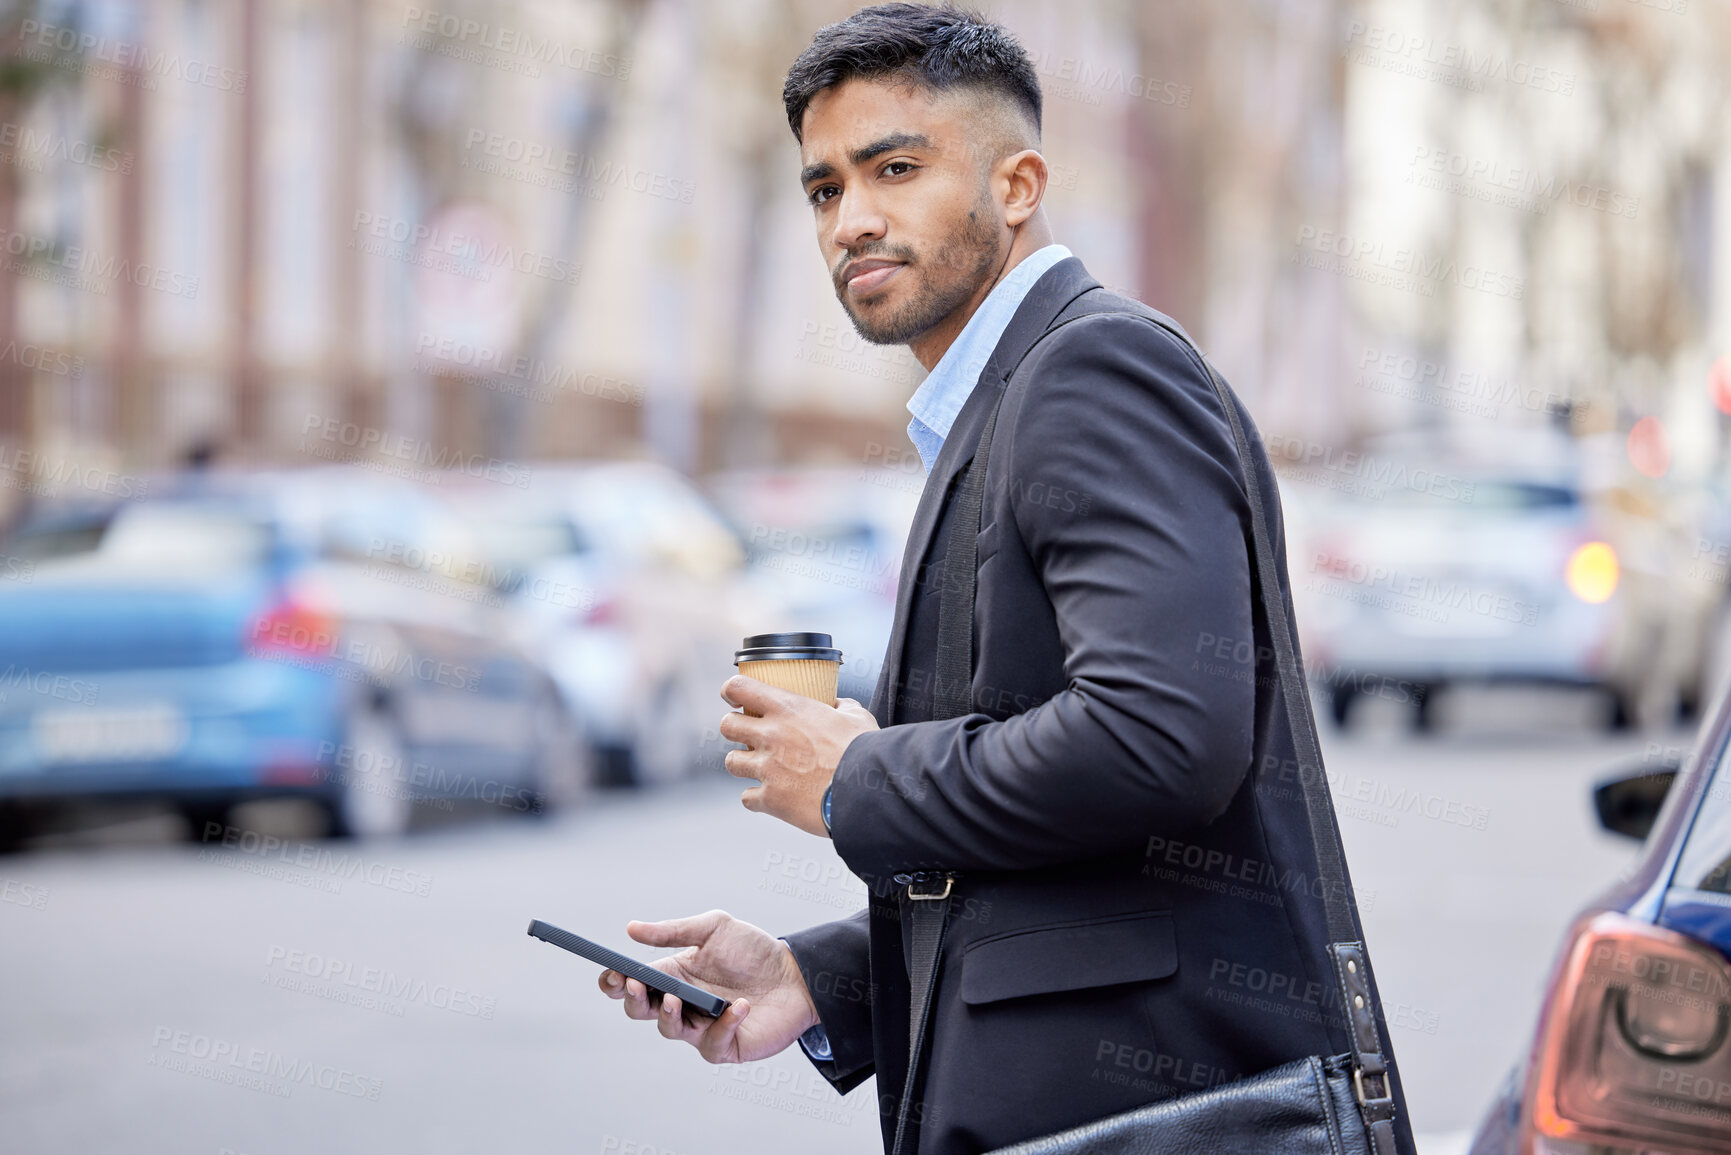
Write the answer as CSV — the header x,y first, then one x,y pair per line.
x,y
782,647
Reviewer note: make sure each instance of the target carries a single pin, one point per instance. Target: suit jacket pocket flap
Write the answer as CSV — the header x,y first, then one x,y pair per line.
x,y
1070,956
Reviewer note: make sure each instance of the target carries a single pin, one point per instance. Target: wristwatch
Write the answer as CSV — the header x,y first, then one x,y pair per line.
x,y
826,793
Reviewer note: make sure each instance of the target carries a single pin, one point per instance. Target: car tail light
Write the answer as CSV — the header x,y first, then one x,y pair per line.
x,y
1632,1052
1592,572
293,627
1330,557
600,612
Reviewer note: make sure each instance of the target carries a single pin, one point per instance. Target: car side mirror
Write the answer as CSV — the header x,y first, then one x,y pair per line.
x,y
1629,805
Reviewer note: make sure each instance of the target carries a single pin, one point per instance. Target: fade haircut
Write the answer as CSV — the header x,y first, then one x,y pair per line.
x,y
939,48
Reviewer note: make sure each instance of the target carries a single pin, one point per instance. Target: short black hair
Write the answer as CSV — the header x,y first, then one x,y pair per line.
x,y
939,47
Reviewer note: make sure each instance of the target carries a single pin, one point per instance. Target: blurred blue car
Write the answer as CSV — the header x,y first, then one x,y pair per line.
x,y
264,635
1633,1047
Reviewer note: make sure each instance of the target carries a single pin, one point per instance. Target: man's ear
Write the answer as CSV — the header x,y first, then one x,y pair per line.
x,y
1025,173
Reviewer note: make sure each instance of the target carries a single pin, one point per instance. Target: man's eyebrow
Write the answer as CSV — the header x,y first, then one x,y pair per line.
x,y
865,152
886,143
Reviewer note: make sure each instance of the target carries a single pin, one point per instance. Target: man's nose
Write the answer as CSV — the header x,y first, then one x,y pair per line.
x,y
858,219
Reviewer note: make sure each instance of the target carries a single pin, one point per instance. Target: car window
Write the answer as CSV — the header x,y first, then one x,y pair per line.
x,y
518,543
1705,863
643,517
1487,496
400,531
176,538
58,535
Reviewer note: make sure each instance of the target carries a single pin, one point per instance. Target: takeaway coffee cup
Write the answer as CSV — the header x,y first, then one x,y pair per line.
x,y
803,663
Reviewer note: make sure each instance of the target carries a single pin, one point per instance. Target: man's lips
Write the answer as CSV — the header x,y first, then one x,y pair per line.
x,y
864,277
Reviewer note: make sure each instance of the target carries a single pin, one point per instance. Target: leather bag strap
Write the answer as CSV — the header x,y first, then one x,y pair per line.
x,y
928,908
1347,953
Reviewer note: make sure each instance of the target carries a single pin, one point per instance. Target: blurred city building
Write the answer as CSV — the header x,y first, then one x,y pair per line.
x,y
291,231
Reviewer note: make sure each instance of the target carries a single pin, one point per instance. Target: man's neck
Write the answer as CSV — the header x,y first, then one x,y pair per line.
x,y
929,347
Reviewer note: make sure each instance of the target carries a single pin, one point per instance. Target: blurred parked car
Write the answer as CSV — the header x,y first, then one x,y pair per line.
x,y
629,585
1492,577
1632,1052
239,636
826,546
1702,572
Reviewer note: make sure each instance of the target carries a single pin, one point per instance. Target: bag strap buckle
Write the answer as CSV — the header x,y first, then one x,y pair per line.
x,y
1368,1102
922,878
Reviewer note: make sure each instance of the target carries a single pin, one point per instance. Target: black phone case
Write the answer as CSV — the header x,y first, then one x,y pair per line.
x,y
695,998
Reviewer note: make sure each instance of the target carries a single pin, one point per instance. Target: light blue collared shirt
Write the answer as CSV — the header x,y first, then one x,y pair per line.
x,y
941,395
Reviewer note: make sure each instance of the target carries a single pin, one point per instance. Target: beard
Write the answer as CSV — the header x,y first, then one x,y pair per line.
x,y
944,283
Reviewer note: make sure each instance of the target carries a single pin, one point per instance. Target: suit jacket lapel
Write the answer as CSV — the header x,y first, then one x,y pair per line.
x,y
1055,289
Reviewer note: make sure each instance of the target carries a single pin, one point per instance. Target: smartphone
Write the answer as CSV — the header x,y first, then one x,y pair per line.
x,y
695,998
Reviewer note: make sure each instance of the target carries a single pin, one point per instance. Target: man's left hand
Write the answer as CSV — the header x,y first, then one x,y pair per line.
x,y
794,746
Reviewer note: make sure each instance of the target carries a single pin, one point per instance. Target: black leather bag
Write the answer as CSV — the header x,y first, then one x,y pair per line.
x,y
1322,1105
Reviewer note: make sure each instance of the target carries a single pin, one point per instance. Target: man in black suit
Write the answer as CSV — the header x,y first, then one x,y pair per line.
x,y
1135,914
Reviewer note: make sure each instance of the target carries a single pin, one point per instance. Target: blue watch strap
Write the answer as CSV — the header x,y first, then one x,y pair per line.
x,y
826,793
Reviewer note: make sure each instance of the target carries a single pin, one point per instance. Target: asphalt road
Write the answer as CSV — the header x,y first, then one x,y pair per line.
x,y
160,997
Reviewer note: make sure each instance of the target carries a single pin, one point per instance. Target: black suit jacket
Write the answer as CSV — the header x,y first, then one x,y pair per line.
x,y
1137,915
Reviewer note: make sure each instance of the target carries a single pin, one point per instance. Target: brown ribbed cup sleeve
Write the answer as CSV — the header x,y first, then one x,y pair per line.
x,y
805,676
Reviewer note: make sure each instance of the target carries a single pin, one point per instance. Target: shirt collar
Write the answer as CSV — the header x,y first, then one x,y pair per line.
x,y
941,395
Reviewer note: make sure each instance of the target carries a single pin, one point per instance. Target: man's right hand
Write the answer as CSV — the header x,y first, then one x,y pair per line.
x,y
754,970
